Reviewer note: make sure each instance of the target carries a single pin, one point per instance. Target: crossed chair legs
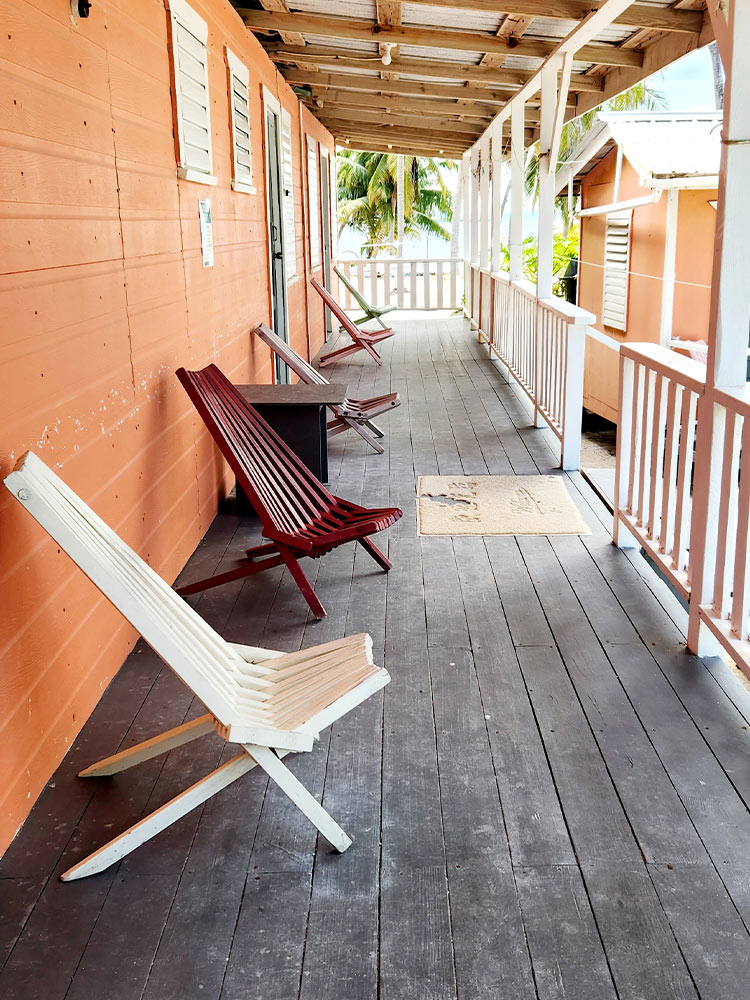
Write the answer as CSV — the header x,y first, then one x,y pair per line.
x,y
249,756
271,554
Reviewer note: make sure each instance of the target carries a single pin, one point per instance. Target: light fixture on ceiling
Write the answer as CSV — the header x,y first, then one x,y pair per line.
x,y
385,53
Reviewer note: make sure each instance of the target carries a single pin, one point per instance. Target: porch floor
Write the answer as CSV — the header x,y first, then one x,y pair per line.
x,y
549,800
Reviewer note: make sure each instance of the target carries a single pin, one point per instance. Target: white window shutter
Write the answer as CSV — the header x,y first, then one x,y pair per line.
x,y
313,199
239,97
287,180
190,57
616,270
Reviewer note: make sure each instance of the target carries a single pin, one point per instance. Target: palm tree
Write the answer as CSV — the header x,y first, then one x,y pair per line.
x,y
367,196
641,97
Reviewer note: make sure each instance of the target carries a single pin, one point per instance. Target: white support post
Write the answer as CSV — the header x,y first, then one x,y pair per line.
x,y
484,200
474,188
496,151
466,167
400,189
546,183
730,298
730,312
670,267
457,205
515,238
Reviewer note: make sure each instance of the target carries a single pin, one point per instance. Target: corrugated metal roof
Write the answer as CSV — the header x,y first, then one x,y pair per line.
x,y
666,145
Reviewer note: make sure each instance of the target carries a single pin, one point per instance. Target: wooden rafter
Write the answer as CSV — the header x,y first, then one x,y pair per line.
x,y
332,100
358,29
368,84
338,117
431,109
500,78
638,16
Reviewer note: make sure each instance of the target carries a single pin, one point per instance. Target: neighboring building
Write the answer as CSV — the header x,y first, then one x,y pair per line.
x,y
648,188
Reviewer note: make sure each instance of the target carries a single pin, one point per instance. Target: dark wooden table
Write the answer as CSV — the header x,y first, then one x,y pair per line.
x,y
298,415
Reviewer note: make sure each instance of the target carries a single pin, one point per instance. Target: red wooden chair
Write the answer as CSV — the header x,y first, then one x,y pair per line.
x,y
364,340
299,516
355,413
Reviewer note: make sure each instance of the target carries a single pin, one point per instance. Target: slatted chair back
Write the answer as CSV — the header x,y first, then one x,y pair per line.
x,y
363,304
301,368
351,328
251,701
208,665
284,492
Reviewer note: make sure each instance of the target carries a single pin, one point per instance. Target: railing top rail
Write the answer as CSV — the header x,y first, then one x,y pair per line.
x,y
689,373
398,260
567,311
736,399
501,276
525,287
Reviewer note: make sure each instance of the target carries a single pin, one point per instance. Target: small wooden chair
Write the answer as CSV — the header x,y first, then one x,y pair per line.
x,y
269,703
299,516
364,340
355,413
370,312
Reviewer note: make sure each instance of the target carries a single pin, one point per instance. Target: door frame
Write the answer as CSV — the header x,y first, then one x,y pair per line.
x,y
325,224
272,105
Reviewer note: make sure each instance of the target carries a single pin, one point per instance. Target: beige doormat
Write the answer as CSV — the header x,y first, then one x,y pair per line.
x,y
497,505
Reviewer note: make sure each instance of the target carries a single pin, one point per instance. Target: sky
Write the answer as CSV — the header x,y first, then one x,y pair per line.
x,y
687,85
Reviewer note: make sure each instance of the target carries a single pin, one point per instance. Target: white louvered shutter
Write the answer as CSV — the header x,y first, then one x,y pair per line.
x,y
616,270
190,55
313,198
287,180
239,97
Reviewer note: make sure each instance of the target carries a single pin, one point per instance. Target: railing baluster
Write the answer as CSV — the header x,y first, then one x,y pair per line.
x,y
684,477
741,591
727,514
657,452
670,466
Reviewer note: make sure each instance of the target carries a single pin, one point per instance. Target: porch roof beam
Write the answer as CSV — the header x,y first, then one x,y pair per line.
x,y
510,79
638,16
321,104
417,88
341,27
337,117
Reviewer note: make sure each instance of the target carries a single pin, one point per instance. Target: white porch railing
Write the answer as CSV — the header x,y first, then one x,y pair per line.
x,y
659,393
430,283
542,344
702,549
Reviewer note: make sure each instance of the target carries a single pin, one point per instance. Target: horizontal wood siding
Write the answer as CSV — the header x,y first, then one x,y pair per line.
x,y
102,296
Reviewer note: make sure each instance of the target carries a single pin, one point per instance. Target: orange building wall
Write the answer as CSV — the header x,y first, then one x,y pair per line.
x,y
102,296
695,241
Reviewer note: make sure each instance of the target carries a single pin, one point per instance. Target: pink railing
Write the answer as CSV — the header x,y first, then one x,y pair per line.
x,y
682,491
407,284
659,393
541,342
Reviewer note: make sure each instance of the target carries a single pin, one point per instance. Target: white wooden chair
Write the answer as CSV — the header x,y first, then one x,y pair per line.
x,y
270,703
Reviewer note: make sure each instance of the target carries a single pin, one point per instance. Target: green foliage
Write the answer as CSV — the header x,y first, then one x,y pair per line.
x,y
564,249
367,195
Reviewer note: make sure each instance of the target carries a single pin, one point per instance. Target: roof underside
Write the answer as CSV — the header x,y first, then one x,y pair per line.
x,y
454,63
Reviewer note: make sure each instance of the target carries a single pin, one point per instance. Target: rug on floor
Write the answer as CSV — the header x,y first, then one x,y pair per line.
x,y
497,505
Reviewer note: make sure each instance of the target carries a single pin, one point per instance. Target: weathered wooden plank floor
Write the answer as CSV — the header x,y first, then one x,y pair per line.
x,y
550,799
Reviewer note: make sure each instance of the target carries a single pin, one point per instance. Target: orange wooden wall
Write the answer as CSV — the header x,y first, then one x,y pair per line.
x,y
102,296
695,244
